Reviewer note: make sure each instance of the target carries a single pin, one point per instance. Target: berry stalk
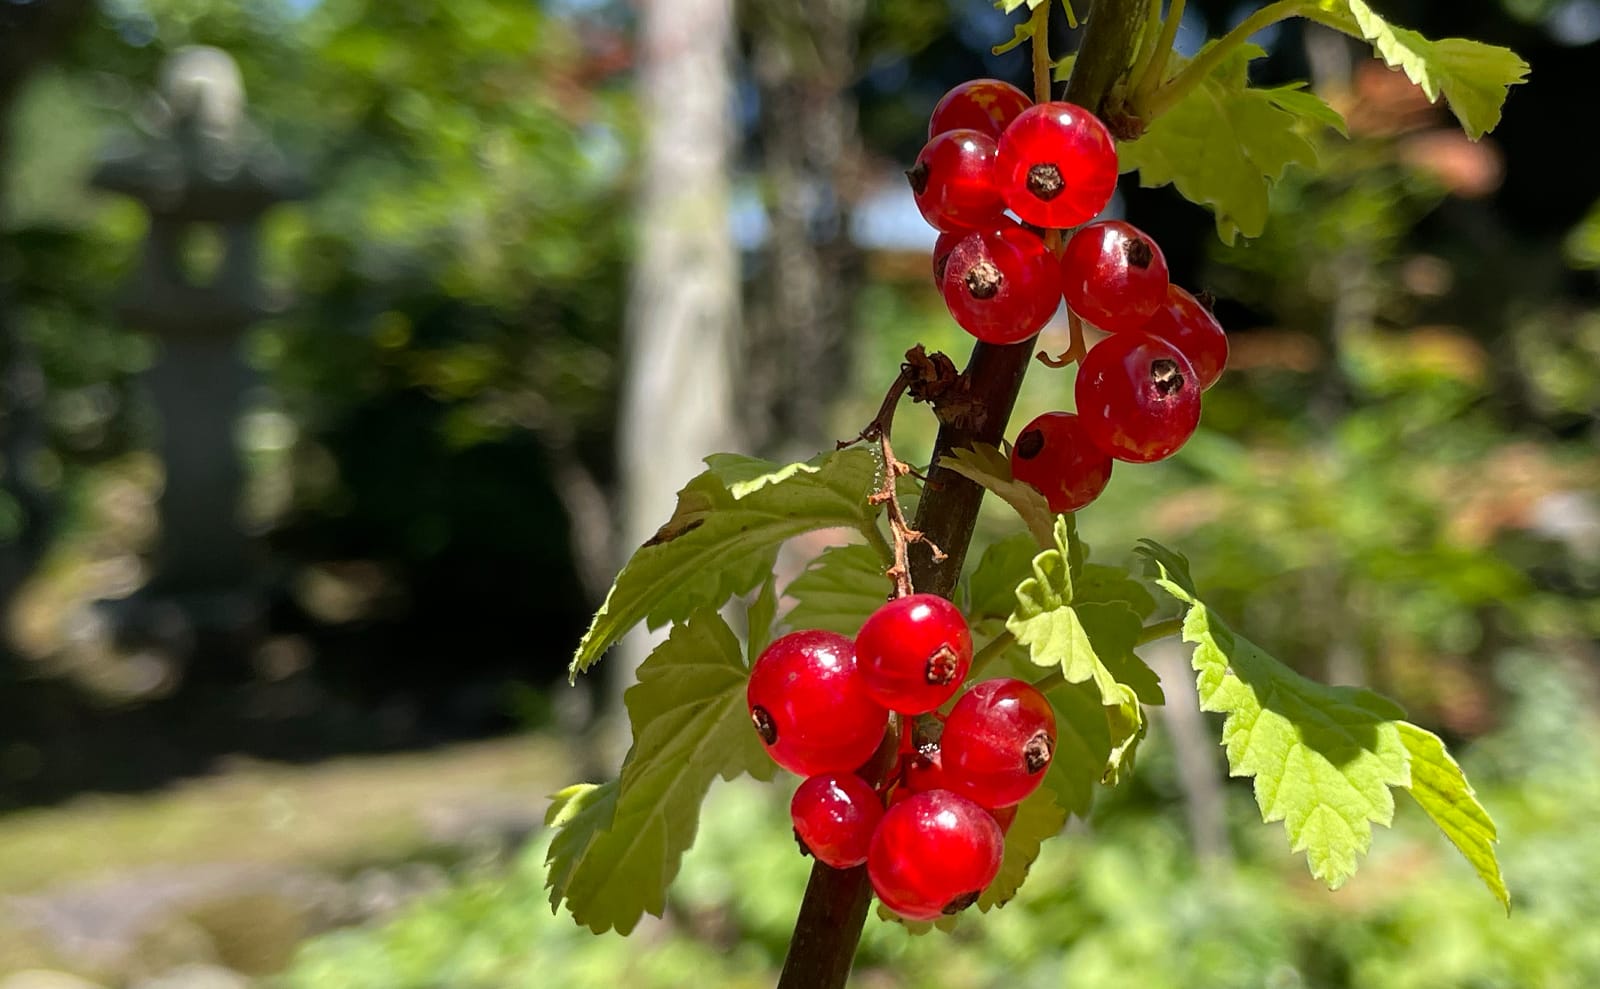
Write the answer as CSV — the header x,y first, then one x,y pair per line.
x,y
836,900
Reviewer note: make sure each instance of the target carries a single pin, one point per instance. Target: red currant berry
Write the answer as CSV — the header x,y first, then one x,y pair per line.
x,y
1002,286
913,653
1138,397
942,247
1053,454
1005,817
986,105
1057,166
810,707
953,181
1188,325
1113,275
933,854
998,741
834,817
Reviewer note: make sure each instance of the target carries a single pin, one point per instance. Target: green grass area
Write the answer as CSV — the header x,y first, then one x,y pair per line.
x,y
335,815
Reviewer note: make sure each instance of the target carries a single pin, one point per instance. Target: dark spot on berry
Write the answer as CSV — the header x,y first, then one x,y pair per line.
x,y
1030,444
1036,754
984,280
802,843
960,903
918,176
765,726
1044,181
942,667
1207,300
1166,377
940,263
1139,253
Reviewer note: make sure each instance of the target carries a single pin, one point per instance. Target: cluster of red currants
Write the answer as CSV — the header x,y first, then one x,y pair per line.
x,y
1053,166
932,832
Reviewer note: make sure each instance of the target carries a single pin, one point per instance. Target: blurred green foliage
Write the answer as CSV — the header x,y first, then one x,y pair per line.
x,y
1123,902
448,299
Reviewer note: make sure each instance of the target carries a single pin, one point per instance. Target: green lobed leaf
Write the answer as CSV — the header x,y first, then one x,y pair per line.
x,y
1323,758
1059,633
743,475
1296,99
838,590
1438,784
1100,584
986,465
1083,746
619,845
1039,817
1473,77
1224,144
718,543
992,591
759,617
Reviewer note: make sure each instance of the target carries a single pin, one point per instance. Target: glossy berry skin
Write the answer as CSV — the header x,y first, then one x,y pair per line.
x,y
1138,397
1113,275
1057,165
1055,455
998,742
933,853
810,707
942,248
1188,325
986,105
953,181
913,653
1002,285
834,817
1005,817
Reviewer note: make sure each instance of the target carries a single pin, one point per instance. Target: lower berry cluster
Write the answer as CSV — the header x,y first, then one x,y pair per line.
x,y
931,830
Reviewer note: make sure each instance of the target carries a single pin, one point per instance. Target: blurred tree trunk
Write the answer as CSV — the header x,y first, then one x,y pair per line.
x,y
683,307
803,59
30,35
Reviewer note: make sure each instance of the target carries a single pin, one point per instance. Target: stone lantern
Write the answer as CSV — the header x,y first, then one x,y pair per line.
x,y
199,170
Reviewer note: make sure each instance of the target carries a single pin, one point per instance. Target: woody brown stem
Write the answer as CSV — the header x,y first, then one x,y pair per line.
x,y
835,906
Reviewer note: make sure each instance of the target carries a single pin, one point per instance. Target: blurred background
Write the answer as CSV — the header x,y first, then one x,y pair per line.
x,y
346,347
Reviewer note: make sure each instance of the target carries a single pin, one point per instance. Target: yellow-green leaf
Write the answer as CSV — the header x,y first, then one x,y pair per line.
x,y
1472,76
1439,785
724,536
1224,144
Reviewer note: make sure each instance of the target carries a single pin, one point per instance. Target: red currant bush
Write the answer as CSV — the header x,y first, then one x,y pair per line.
x,y
1057,165
987,105
1113,275
1185,322
1001,286
933,853
913,653
1138,397
998,742
953,181
810,707
834,817
1055,455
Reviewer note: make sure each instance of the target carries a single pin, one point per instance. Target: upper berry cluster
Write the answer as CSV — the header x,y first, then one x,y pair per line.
x,y
998,174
